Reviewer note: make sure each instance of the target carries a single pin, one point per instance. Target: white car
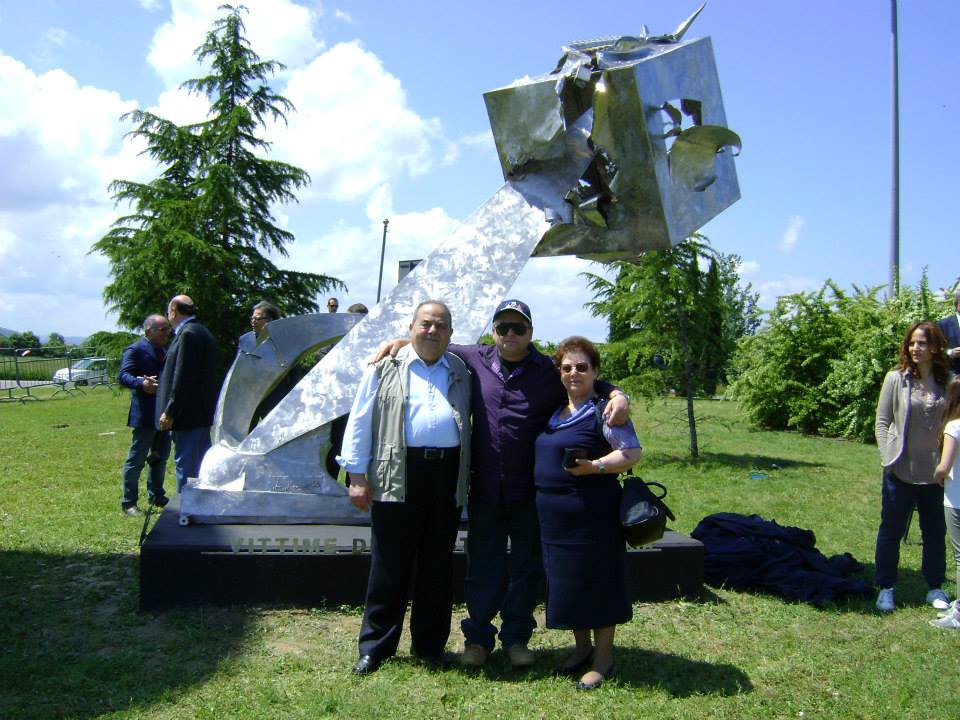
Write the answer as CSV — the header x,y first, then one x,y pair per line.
x,y
87,371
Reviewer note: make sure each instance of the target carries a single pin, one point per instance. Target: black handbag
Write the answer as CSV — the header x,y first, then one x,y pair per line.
x,y
643,513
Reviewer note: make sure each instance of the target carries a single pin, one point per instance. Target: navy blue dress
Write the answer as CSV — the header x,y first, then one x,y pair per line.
x,y
584,553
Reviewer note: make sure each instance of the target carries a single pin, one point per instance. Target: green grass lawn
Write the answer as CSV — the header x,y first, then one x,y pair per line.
x,y
73,645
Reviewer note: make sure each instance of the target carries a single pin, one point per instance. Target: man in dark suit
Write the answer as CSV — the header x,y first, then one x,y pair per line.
x,y
140,368
188,388
951,331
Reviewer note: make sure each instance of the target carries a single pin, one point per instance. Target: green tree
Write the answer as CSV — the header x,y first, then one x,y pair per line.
x,y
23,341
818,363
109,344
672,324
200,227
802,339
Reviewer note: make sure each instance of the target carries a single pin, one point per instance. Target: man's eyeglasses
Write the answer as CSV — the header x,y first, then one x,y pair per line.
x,y
580,367
505,327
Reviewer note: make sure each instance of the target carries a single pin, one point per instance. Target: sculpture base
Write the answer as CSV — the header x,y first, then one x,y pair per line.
x,y
313,565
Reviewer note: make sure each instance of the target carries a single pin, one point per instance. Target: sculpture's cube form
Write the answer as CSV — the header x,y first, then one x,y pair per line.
x,y
651,183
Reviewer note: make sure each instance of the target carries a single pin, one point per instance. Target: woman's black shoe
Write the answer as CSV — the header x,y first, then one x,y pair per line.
x,y
573,670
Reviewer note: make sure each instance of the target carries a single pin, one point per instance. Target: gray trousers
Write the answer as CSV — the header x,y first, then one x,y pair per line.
x,y
952,518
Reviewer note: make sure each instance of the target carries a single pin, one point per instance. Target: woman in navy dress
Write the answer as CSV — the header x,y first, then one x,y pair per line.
x,y
584,553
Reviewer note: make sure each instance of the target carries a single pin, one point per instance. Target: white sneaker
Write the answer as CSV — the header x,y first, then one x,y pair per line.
x,y
950,621
885,600
953,606
938,598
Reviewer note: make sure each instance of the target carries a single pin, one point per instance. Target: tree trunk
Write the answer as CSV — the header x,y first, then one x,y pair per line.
x,y
688,380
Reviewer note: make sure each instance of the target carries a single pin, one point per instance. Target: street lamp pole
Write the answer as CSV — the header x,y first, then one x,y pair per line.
x,y
383,248
894,283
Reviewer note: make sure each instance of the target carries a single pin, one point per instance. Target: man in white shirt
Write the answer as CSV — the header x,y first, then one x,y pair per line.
x,y
406,450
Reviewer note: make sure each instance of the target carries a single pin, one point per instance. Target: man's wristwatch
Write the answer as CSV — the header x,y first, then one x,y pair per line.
x,y
601,468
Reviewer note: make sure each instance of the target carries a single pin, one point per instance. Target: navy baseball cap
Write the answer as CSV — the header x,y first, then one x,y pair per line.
x,y
516,306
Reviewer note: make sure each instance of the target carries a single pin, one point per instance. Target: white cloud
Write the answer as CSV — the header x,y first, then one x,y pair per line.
x,y
61,145
150,5
351,251
56,137
56,36
353,129
343,16
792,233
770,290
7,241
181,107
481,142
556,294
276,29
747,268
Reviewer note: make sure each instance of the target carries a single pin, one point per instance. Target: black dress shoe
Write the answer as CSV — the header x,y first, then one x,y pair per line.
x,y
366,664
574,670
161,502
611,671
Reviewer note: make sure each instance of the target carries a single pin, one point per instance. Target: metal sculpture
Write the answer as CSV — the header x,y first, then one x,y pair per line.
x,y
597,164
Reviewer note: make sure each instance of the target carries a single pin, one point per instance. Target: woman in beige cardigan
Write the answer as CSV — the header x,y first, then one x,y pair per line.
x,y
908,422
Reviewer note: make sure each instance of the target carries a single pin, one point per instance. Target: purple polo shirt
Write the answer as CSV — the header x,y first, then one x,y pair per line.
x,y
509,411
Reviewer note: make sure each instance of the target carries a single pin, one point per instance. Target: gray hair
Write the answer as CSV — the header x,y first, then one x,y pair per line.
x,y
446,310
269,309
153,321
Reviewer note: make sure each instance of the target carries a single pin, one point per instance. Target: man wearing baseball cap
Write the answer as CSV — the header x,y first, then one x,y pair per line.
x,y
515,389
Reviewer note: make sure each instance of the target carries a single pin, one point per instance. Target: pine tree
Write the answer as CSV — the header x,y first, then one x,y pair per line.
x,y
676,325
200,227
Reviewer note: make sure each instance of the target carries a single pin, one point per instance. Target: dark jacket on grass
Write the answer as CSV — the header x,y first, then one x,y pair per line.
x,y
750,553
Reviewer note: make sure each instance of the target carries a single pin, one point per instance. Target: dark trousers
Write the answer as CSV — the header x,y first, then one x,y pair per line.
x,y
412,549
151,447
494,585
898,499
189,447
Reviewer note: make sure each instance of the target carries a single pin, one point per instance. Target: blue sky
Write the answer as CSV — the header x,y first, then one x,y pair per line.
x,y
391,124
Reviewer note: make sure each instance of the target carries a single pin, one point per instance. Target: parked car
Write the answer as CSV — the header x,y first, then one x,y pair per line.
x,y
86,371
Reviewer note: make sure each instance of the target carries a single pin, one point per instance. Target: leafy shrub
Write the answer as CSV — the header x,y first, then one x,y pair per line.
x,y
818,364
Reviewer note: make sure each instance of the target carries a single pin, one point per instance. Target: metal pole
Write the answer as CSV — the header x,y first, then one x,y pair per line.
x,y
894,283
383,248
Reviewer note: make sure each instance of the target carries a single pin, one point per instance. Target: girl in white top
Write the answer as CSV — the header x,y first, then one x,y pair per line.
x,y
947,473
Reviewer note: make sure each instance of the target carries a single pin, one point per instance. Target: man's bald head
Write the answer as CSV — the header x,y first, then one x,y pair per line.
x,y
180,308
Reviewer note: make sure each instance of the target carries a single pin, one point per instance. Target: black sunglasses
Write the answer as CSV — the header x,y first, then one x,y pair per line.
x,y
505,327
580,367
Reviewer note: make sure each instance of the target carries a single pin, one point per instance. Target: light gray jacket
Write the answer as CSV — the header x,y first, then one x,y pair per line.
x,y
893,413
387,473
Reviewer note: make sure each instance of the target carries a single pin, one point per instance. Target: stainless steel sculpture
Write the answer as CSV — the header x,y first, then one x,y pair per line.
x,y
597,164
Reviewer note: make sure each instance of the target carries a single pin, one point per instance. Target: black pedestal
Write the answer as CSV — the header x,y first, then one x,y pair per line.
x,y
310,565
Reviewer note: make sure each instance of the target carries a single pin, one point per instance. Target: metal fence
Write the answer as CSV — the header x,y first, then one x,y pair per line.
x,y
22,371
